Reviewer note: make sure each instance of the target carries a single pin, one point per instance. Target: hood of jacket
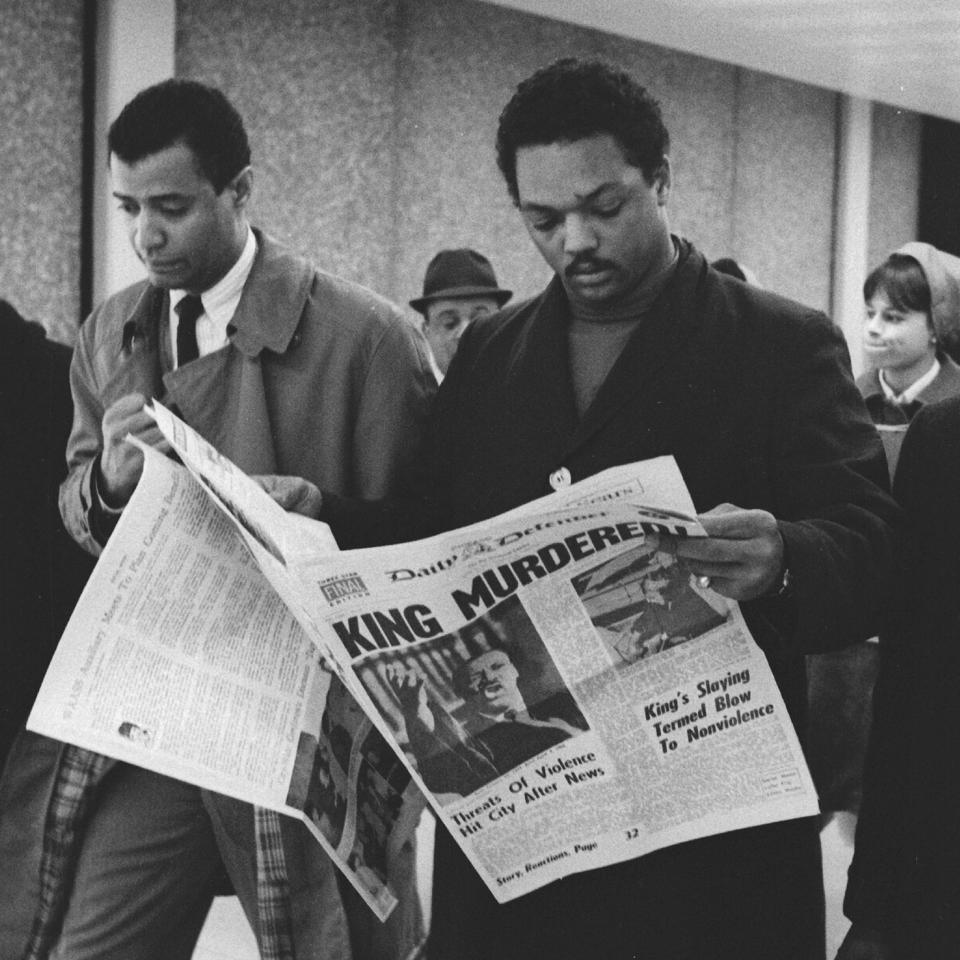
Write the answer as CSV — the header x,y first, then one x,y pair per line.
x,y
942,271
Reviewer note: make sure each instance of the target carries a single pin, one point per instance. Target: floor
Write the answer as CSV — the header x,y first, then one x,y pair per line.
x,y
836,839
227,936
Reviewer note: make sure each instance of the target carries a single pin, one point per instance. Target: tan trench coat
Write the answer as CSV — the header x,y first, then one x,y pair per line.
x,y
321,379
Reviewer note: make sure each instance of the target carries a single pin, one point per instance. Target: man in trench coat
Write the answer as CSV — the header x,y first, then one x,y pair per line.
x,y
284,369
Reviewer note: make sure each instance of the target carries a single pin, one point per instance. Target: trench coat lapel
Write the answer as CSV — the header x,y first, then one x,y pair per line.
x,y
220,395
651,355
142,371
223,395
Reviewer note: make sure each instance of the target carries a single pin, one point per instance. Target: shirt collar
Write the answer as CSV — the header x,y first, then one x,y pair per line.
x,y
221,300
268,312
915,388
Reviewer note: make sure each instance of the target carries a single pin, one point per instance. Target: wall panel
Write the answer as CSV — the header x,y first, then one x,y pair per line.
x,y
41,58
894,180
373,123
783,208
315,83
373,126
460,65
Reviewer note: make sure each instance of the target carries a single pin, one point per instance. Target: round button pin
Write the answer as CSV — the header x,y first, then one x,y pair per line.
x,y
560,478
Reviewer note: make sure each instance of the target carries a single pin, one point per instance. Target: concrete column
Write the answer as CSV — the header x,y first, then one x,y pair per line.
x,y
851,233
135,48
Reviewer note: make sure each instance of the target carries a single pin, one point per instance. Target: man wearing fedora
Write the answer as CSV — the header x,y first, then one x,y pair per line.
x,y
458,288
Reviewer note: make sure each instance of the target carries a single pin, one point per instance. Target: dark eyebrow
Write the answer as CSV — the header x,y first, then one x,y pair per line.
x,y
581,200
535,208
158,198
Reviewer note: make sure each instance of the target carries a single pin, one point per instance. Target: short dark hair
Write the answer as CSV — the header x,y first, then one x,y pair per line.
x,y
902,280
575,99
183,111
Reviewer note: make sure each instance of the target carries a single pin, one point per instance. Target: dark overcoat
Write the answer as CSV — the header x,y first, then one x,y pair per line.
x,y
905,876
42,570
753,395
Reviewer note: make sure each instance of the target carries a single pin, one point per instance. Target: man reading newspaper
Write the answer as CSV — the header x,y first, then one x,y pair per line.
x,y
637,348
287,369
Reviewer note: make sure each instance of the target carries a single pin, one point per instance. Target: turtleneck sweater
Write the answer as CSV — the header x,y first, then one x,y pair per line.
x,y
597,335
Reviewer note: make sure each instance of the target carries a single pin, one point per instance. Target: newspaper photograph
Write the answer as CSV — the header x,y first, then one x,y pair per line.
x,y
353,792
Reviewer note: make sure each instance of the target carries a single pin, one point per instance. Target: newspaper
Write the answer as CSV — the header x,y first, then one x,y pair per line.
x,y
557,683
566,693
182,658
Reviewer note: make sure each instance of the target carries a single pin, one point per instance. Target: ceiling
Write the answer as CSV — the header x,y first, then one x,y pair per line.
x,y
902,52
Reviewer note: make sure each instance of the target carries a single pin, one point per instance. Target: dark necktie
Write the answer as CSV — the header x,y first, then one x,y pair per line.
x,y
188,310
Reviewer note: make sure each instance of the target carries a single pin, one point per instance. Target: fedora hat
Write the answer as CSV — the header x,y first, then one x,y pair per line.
x,y
459,273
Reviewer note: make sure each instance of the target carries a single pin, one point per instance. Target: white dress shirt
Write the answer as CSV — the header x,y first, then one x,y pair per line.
x,y
915,388
219,304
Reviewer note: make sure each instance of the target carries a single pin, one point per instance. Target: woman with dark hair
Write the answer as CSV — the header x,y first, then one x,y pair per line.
x,y
912,324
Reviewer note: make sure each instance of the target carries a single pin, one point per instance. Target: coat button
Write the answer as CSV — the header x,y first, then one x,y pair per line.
x,y
560,479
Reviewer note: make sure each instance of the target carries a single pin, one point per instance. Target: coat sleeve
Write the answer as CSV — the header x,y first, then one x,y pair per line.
x,y
69,565
833,505
42,571
411,505
78,504
397,392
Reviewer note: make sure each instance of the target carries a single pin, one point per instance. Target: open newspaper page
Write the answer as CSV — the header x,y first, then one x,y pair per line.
x,y
264,525
274,537
563,689
181,657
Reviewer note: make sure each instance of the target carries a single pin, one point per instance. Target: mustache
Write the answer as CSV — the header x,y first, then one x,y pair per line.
x,y
586,263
